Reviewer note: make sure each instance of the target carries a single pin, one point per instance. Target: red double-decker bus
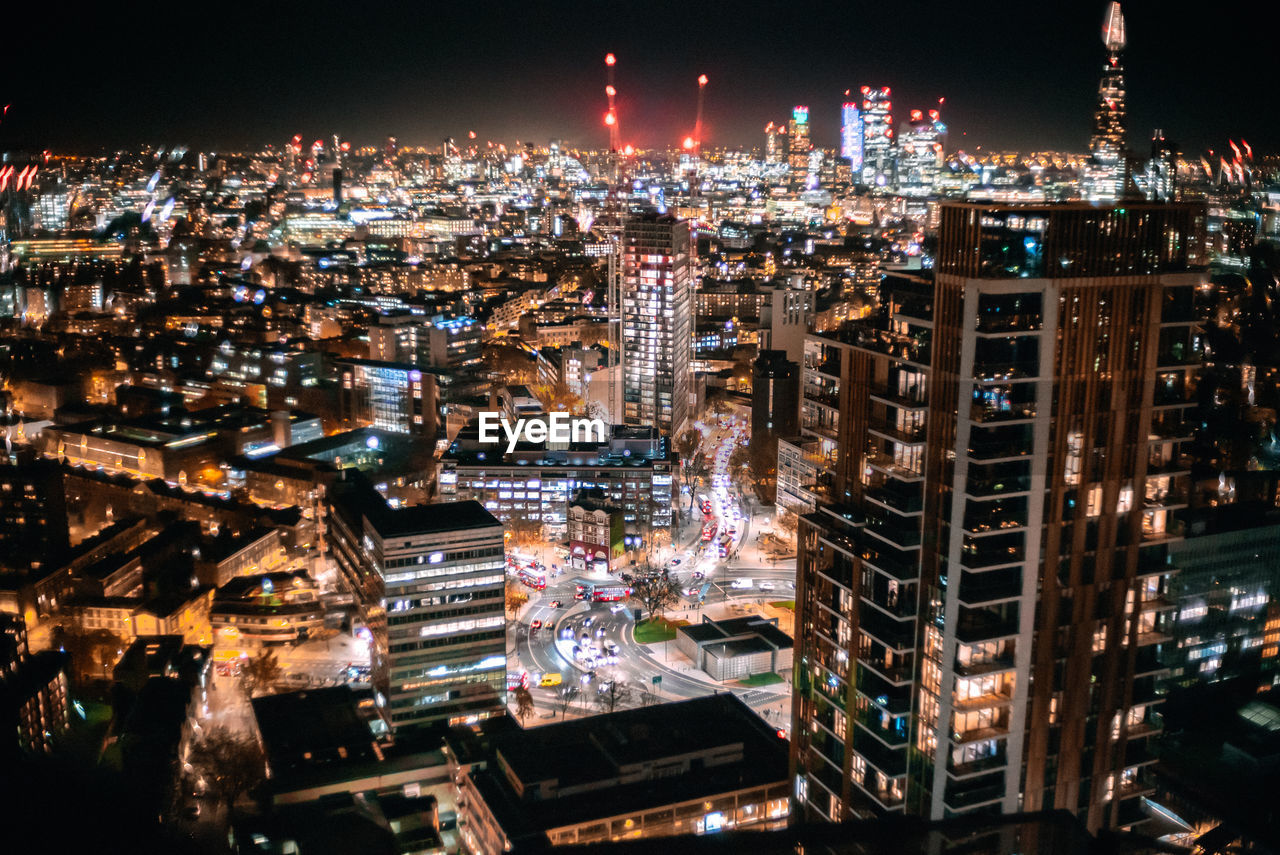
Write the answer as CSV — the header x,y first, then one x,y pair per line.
x,y
709,531
600,592
536,579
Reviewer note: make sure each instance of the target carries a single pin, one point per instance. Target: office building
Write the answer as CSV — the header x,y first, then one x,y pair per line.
x,y
657,321
636,470
392,396
982,592
437,342
428,580
877,137
798,154
851,135
920,153
1106,174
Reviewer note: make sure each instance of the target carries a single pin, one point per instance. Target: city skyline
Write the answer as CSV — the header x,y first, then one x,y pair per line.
x,y
536,78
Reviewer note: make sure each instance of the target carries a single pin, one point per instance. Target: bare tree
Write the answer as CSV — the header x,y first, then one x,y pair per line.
x,y
525,530
231,764
655,593
261,673
524,703
614,694
565,698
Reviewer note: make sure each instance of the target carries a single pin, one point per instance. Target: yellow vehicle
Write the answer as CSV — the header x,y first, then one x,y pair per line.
x,y
550,680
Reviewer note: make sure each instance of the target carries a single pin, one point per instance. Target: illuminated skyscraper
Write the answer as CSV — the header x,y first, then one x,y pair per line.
x,y
851,135
1106,175
877,137
981,594
657,321
800,145
920,153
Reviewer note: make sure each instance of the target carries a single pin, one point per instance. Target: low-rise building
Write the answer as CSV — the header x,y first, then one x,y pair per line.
x,y
736,648
692,767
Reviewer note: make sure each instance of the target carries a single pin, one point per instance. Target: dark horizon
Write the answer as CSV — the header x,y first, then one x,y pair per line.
x,y
1025,79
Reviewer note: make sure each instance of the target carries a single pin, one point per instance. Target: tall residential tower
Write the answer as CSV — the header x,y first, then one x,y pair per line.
x,y
980,597
657,321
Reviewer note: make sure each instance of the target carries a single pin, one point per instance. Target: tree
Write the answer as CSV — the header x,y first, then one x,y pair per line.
x,y
612,694
655,593
524,703
648,697
525,530
558,397
261,673
231,764
565,698
516,598
688,446
93,652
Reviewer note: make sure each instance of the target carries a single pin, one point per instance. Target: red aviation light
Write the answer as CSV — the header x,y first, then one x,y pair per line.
x,y
610,59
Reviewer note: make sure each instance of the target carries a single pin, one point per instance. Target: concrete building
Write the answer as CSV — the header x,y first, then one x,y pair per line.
x,y
736,648
692,767
429,583
657,321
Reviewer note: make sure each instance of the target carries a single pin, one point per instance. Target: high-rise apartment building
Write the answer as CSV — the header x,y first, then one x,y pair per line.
x,y
1106,175
428,580
877,137
981,593
657,320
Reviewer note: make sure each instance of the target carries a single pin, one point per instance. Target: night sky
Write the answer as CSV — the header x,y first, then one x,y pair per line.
x,y
1014,75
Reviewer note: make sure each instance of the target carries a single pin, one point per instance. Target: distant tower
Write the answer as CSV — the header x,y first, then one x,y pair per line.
x,y
799,159
851,135
877,137
1106,176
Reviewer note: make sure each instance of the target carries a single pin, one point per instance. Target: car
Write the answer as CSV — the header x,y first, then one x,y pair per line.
x,y
552,679
600,632
611,647
739,584
766,586
699,575
675,562
537,624
555,604
691,591
618,607
586,623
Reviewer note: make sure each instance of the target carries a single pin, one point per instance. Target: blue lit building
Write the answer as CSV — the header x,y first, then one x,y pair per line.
x,y
851,135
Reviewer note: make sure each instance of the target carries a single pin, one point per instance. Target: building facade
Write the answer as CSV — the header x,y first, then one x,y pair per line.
x,y
429,582
981,596
657,319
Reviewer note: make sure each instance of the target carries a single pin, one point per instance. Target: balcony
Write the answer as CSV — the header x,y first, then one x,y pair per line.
x,y
902,570
915,436
983,701
898,675
990,415
980,487
913,400
902,501
978,734
978,589
905,536
1167,466
983,626
975,796
1173,530
886,463
986,666
1000,449
897,636
973,767
822,396
1007,322
978,559
992,370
